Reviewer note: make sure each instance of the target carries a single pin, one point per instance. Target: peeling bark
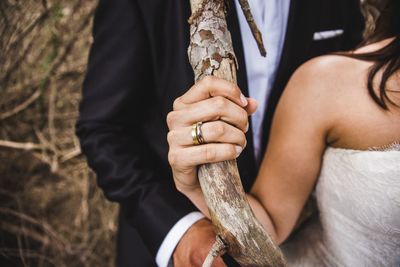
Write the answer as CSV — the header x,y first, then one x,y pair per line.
x,y
211,53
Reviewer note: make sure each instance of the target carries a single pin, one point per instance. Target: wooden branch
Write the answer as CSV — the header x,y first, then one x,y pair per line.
x,y
71,154
47,231
17,145
51,159
21,106
217,249
253,26
211,53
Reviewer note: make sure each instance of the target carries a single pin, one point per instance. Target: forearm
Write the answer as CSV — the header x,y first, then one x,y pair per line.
x,y
197,198
264,218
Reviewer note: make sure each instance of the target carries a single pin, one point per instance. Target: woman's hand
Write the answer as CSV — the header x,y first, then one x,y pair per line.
x,y
224,111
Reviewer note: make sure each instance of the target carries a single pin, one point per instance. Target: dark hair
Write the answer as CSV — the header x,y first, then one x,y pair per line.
x,y
382,22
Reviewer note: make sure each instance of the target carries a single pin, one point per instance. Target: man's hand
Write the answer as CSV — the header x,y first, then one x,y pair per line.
x,y
194,246
224,111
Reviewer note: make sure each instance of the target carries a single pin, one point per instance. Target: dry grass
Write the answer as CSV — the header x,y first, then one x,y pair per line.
x,y
52,213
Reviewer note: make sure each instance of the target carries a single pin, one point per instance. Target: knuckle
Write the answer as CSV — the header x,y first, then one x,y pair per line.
x,y
171,119
170,137
234,90
218,129
219,103
177,103
207,80
243,118
209,153
231,151
243,139
172,158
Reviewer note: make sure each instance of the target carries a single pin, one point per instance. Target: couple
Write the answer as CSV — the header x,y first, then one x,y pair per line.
x,y
138,66
335,134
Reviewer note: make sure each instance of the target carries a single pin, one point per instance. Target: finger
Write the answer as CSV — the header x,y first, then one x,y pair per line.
x,y
211,86
189,157
212,132
212,109
252,106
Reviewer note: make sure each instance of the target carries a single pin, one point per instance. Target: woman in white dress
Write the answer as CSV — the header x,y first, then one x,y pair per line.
x,y
336,133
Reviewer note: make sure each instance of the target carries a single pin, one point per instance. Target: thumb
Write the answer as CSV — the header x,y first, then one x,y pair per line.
x,y
251,106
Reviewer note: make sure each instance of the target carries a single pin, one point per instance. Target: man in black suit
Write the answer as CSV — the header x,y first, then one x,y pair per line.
x,y
137,67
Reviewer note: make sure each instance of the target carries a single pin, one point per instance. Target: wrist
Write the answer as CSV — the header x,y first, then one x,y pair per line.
x,y
184,187
193,192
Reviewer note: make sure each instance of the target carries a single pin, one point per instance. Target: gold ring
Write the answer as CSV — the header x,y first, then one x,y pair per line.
x,y
197,135
194,134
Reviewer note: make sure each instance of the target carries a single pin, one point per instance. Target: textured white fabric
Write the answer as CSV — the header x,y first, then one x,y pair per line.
x,y
358,197
168,245
271,16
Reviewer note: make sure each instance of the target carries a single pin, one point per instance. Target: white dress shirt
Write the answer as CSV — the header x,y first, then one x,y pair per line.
x,y
271,17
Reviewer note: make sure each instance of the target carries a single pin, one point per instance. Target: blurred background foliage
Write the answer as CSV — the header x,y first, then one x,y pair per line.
x,y
51,211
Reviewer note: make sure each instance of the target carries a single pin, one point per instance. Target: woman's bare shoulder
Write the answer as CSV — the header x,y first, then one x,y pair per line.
x,y
337,69
327,75
324,88
326,68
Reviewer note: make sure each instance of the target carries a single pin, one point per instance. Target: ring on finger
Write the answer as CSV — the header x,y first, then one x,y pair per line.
x,y
197,135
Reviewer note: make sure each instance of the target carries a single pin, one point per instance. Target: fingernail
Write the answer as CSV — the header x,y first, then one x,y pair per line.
x,y
238,150
247,127
256,103
243,99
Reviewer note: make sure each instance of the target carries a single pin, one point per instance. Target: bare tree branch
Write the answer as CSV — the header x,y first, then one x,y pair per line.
x,y
211,53
253,26
22,146
217,249
21,106
71,154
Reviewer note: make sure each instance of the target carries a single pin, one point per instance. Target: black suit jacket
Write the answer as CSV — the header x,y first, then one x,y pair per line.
x,y
137,66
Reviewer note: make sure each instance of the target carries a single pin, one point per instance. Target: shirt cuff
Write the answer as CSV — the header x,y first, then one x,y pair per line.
x,y
173,237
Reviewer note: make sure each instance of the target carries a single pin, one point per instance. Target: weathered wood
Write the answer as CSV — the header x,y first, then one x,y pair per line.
x,y
253,26
217,249
211,53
